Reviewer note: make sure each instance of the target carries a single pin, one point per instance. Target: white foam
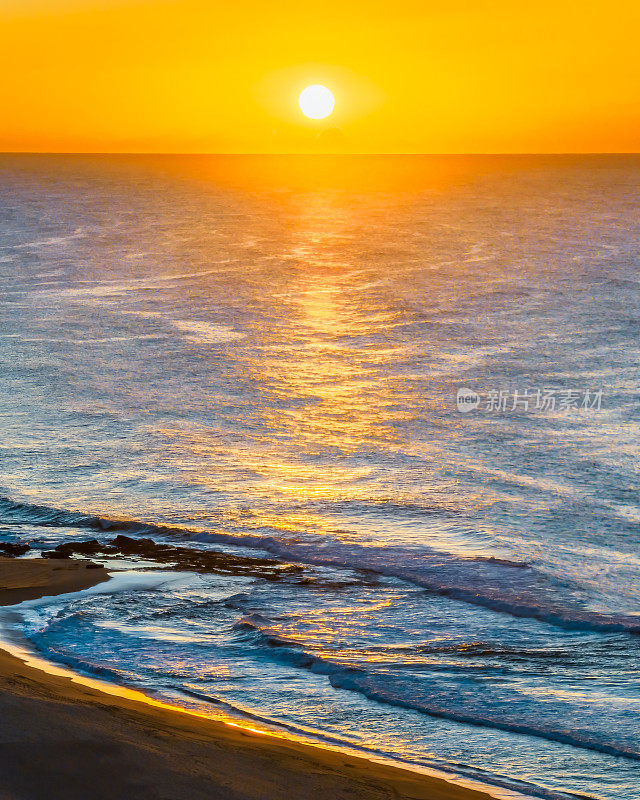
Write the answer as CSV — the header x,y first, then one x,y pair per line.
x,y
205,332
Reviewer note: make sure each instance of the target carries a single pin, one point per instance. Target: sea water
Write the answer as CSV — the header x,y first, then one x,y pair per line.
x,y
267,357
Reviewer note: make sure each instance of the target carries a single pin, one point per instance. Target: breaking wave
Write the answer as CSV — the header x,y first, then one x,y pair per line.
x,y
510,587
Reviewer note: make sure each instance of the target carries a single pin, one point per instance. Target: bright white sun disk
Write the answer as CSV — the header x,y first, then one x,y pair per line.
x,y
316,101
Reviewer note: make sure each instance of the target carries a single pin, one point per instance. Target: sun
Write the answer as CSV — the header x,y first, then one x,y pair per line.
x,y
316,101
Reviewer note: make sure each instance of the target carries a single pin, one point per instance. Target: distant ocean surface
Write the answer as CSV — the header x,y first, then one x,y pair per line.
x,y
260,357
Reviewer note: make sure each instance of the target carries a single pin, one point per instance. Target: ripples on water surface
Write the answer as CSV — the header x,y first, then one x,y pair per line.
x,y
260,356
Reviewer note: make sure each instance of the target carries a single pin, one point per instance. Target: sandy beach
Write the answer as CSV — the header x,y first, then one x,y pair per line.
x,y
62,739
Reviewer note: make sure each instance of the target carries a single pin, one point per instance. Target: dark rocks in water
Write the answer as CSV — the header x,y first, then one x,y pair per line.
x,y
12,549
125,544
67,552
203,560
187,558
89,548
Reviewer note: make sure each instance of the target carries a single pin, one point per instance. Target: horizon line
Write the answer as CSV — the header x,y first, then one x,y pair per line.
x,y
250,153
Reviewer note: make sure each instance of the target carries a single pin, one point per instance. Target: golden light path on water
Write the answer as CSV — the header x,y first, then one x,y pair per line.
x,y
342,402
323,392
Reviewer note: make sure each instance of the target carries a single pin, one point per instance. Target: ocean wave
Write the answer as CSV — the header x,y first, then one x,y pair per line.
x,y
484,778
122,677
501,585
383,687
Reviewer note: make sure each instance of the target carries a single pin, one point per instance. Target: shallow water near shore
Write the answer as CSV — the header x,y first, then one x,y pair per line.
x,y
260,358
13,642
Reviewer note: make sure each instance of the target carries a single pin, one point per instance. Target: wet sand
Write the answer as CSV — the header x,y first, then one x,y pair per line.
x,y
61,739
28,579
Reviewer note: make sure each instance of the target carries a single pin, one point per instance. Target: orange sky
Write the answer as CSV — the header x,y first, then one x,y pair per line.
x,y
408,76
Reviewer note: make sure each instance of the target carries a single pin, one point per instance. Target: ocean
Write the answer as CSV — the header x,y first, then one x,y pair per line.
x,y
379,417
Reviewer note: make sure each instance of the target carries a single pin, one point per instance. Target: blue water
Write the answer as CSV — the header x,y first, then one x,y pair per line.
x,y
261,357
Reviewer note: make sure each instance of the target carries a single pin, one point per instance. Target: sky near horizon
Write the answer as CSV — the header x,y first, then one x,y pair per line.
x,y
408,77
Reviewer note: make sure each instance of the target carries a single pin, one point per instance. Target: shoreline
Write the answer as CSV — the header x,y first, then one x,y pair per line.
x,y
155,750
23,579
